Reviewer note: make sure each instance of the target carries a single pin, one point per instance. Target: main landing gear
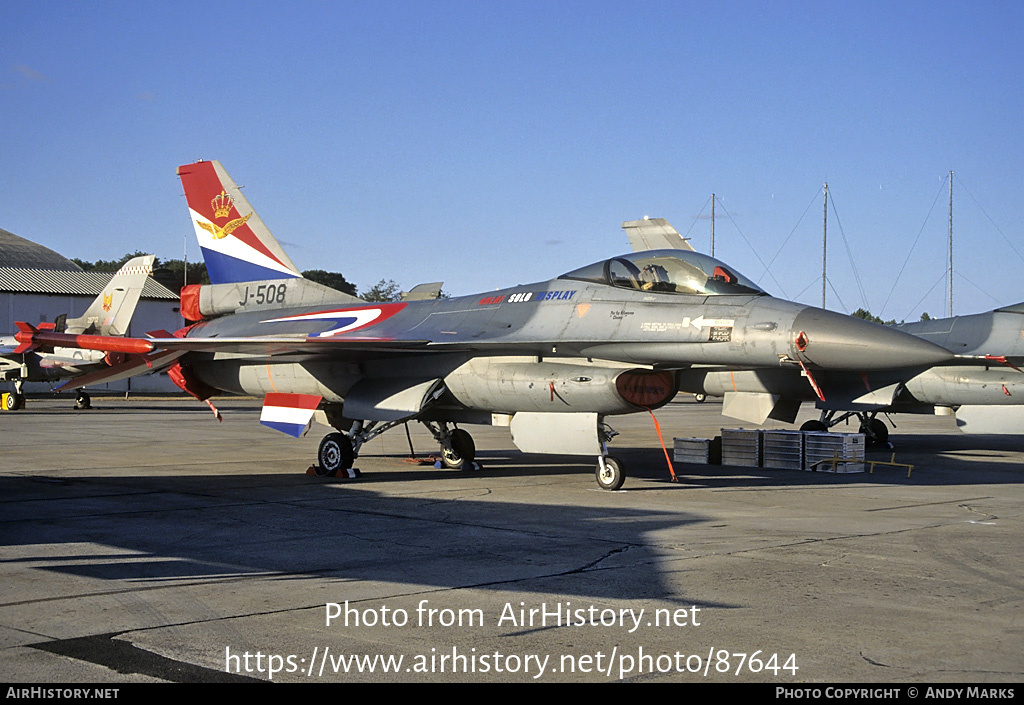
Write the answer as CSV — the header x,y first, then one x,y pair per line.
x,y
335,454
83,400
876,433
15,401
338,451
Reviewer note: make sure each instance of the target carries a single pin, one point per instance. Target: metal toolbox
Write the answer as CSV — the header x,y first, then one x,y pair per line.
x,y
783,449
825,446
696,451
742,447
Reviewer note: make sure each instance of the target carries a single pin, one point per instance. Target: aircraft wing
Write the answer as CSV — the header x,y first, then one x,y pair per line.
x,y
251,345
148,355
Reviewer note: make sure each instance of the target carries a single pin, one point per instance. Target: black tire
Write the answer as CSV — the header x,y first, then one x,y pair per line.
x,y
612,477
83,401
13,402
814,426
699,398
876,433
335,453
462,451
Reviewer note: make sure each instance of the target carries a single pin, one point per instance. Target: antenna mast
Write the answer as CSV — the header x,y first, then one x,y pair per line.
x,y
950,243
712,225
824,248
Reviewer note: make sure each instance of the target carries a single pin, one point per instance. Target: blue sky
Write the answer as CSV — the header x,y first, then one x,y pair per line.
x,y
495,143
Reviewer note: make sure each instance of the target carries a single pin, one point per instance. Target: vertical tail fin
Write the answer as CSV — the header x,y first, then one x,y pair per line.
x,y
236,245
112,310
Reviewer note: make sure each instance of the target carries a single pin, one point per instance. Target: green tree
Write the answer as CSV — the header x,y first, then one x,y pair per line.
x,y
102,265
863,313
868,316
171,273
383,292
335,280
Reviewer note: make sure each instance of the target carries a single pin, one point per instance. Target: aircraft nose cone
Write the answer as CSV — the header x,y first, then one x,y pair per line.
x,y
839,342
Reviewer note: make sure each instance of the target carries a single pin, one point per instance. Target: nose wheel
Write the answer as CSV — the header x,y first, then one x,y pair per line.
x,y
610,474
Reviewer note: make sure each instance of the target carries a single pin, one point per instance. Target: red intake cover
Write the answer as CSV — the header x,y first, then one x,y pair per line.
x,y
646,389
188,382
190,302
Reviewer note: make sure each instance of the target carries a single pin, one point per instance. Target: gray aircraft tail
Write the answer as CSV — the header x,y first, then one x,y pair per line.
x,y
654,234
113,309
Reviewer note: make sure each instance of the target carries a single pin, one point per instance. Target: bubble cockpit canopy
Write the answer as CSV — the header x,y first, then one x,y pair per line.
x,y
668,272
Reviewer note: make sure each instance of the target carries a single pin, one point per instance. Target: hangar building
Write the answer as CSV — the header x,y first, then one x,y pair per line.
x,y
37,285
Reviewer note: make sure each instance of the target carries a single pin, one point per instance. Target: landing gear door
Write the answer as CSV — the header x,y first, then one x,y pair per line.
x,y
390,399
556,433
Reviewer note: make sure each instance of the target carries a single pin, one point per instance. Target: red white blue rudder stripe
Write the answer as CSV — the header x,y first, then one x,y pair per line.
x,y
236,245
289,413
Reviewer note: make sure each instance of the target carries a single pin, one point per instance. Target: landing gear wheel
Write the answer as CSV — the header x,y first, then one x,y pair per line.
x,y
335,454
814,426
876,433
83,401
14,402
699,398
462,451
611,476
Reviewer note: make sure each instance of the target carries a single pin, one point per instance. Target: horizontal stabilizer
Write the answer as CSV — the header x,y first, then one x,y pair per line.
x,y
133,367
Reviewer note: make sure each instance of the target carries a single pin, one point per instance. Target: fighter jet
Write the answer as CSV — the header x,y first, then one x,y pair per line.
x,y
553,360
108,315
983,385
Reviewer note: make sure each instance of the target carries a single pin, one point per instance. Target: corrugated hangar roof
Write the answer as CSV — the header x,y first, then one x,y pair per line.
x,y
48,281
30,268
18,252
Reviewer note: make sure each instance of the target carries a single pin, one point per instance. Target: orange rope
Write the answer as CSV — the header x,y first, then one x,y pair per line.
x,y
657,428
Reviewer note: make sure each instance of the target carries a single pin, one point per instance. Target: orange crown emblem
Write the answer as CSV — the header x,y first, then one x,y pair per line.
x,y
222,204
